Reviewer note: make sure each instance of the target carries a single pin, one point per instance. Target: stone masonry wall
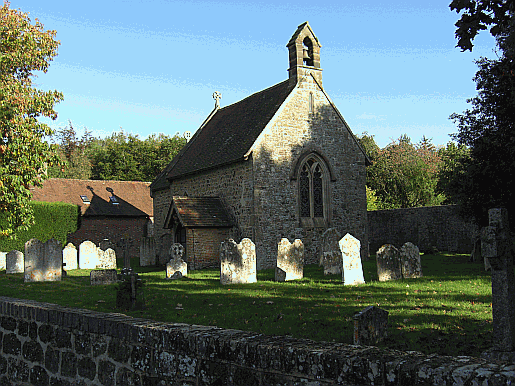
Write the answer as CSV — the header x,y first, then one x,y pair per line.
x,y
203,246
161,200
45,344
294,131
439,227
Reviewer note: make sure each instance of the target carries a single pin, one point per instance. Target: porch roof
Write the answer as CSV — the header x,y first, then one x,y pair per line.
x,y
198,212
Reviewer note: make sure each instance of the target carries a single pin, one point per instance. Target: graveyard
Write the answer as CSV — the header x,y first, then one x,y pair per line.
x,y
446,311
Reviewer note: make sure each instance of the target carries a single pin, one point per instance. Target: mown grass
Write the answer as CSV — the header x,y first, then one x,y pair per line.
x,y
448,311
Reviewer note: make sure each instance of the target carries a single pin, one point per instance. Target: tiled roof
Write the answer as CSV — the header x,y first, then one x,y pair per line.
x,y
196,212
133,197
228,135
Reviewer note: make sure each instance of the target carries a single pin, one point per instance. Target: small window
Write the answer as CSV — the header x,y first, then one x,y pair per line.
x,y
114,200
311,107
85,199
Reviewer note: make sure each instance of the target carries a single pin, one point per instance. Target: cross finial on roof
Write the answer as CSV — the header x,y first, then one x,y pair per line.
x,y
217,95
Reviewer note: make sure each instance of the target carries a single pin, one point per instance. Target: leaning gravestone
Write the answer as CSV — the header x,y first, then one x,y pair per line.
x,y
2,259
411,267
331,258
70,257
388,263
237,262
370,326
14,262
103,276
43,261
351,260
290,260
147,252
88,255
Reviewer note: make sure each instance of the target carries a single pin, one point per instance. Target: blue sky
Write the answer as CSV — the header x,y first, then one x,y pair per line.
x,y
151,66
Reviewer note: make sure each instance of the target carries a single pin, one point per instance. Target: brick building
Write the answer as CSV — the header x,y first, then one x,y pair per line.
x,y
109,209
280,163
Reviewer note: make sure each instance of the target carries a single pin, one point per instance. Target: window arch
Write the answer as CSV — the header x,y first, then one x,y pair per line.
x,y
313,178
307,57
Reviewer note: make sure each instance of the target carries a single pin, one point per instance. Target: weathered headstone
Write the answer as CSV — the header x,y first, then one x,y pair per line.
x,y
147,252
103,276
164,250
237,262
88,255
43,261
14,262
290,259
2,259
176,250
70,257
331,258
107,259
497,246
370,326
411,266
175,265
351,260
388,263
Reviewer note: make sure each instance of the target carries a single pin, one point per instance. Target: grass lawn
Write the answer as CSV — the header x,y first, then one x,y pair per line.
x,y
448,311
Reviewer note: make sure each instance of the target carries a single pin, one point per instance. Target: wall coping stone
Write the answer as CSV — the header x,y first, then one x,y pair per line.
x,y
269,357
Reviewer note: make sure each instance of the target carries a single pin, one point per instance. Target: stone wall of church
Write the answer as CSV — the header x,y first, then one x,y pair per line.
x,y
161,202
203,246
294,131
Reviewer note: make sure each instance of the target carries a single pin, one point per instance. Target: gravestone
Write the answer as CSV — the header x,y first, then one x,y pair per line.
x,y
237,262
497,246
14,262
70,256
351,260
388,263
107,259
290,260
176,250
103,276
147,252
2,259
166,243
105,244
176,265
411,266
88,255
43,261
370,326
331,258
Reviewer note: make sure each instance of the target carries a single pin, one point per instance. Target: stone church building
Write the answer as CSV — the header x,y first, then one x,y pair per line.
x,y
280,163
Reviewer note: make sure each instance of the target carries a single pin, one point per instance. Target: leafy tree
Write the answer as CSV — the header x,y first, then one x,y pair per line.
x,y
451,172
24,49
72,151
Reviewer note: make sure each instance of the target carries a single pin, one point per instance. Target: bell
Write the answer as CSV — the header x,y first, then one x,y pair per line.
x,y
305,54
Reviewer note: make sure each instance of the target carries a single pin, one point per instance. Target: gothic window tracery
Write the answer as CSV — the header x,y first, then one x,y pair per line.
x,y
313,183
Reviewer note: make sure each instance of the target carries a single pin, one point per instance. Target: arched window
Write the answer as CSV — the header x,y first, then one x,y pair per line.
x,y
313,184
311,102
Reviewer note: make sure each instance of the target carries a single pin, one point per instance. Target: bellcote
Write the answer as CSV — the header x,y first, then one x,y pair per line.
x,y
304,55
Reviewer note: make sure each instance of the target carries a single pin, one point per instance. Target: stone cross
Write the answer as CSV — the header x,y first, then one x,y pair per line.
x,y
496,245
217,95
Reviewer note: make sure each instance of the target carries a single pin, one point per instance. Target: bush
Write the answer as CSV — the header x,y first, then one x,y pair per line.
x,y
51,220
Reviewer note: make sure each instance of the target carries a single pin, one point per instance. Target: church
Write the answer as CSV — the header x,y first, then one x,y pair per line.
x,y
280,163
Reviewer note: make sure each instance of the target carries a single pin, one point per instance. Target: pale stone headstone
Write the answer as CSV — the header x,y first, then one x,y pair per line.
x,y
331,258
107,259
103,276
370,326
14,262
351,260
411,265
147,252
176,265
2,259
388,263
290,259
70,257
166,243
176,250
237,262
43,261
88,255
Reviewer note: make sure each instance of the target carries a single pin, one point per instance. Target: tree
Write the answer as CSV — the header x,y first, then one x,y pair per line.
x,y
25,48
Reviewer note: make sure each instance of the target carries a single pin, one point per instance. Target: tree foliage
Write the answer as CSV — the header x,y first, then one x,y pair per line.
x,y
403,174
25,48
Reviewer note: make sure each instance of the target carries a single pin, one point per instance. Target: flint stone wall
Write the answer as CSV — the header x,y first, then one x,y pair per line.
x,y
46,344
428,227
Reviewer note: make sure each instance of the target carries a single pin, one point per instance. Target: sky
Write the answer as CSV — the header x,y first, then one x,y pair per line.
x,y
151,66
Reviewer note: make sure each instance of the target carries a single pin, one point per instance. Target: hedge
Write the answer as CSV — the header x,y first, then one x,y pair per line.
x,y
52,220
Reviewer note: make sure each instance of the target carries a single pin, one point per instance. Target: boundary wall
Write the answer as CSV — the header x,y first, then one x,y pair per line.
x,y
46,344
429,228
